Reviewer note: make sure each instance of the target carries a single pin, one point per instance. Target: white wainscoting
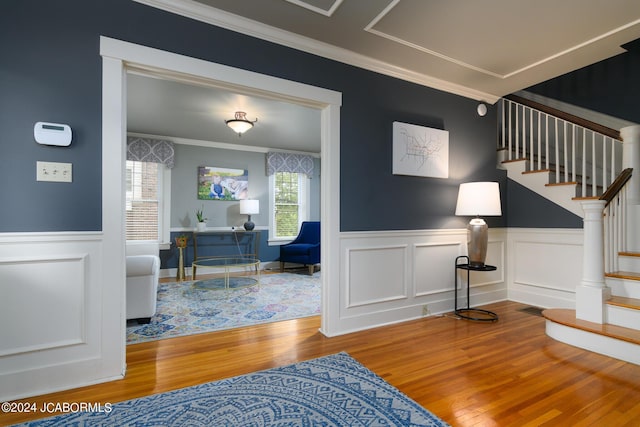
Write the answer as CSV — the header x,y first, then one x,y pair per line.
x,y
53,334
390,276
545,266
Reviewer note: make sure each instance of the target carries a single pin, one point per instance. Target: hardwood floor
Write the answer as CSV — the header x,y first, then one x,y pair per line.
x,y
507,373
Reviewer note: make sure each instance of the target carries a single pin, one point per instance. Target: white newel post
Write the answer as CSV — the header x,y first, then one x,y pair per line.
x,y
631,159
592,292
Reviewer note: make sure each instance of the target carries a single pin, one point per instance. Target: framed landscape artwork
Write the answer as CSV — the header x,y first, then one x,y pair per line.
x,y
222,183
420,151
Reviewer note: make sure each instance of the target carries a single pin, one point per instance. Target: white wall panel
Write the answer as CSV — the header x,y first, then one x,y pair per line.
x,y
545,266
496,257
370,279
43,301
433,269
52,290
540,264
393,276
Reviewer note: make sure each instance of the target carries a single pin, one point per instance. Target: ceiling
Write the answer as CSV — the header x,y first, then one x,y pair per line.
x,y
173,109
478,49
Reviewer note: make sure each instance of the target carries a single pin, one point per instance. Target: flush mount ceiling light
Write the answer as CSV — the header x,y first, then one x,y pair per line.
x,y
240,124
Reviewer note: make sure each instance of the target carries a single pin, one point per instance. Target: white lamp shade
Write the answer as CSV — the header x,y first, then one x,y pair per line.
x,y
479,198
249,207
239,126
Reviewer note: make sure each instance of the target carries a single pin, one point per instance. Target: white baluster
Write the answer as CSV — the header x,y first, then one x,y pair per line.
x,y
510,133
539,141
573,153
566,154
593,164
546,137
517,147
584,162
613,160
531,151
557,159
504,126
604,163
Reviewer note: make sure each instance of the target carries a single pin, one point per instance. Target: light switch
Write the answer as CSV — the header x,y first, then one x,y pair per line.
x,y
55,172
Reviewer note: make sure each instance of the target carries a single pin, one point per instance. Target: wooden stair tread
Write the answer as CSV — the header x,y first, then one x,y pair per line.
x,y
632,254
521,159
626,302
586,198
567,317
630,275
554,184
537,171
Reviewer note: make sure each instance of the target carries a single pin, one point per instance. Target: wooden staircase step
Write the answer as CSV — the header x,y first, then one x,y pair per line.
x,y
551,171
554,184
626,302
629,275
537,171
521,159
567,317
632,254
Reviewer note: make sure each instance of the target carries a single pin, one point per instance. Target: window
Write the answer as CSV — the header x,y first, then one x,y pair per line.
x,y
146,201
290,201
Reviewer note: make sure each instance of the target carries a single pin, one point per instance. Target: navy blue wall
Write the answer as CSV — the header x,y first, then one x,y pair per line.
x,y
528,209
610,87
51,71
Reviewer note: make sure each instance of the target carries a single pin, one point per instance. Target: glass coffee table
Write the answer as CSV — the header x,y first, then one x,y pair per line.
x,y
227,266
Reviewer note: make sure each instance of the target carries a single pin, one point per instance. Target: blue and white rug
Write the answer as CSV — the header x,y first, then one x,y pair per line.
x,y
185,309
334,390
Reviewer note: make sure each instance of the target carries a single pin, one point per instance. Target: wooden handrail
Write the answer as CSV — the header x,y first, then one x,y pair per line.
x,y
616,186
611,133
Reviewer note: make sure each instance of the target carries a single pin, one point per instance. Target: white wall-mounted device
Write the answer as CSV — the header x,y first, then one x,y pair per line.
x,y
52,134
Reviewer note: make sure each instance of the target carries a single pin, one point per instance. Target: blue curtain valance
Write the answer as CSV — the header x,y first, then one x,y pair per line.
x,y
150,150
288,162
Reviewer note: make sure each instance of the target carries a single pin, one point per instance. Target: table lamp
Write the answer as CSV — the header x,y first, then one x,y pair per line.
x,y
249,207
475,199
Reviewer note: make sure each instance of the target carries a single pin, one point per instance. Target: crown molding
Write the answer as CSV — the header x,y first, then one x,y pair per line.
x,y
221,145
194,10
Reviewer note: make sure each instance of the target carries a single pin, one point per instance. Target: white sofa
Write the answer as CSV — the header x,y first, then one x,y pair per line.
x,y
142,286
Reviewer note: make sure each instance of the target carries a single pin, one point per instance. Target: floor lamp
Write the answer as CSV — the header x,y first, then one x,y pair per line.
x,y
475,199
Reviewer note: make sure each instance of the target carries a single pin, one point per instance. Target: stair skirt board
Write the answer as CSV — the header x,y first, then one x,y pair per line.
x,y
596,343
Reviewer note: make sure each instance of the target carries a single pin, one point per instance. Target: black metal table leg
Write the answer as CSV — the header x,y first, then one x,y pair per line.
x,y
467,312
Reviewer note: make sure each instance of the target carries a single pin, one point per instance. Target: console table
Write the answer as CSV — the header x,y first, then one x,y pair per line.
x,y
237,242
467,312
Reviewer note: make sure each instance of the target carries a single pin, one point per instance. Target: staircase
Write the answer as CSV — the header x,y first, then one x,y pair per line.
x,y
579,165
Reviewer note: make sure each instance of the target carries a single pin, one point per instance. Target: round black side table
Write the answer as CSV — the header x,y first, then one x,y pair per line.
x,y
467,312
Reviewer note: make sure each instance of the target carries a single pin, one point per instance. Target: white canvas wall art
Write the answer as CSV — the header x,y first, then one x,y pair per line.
x,y
420,151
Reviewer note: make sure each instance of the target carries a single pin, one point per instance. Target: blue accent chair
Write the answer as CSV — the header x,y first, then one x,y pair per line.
x,y
305,249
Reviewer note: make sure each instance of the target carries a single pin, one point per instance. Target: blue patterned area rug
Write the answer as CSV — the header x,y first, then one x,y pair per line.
x,y
334,390
186,308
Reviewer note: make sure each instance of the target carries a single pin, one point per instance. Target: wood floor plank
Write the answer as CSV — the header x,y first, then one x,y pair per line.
x,y
507,373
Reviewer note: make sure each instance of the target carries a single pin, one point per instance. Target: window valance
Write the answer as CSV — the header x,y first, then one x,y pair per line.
x,y
150,150
288,162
